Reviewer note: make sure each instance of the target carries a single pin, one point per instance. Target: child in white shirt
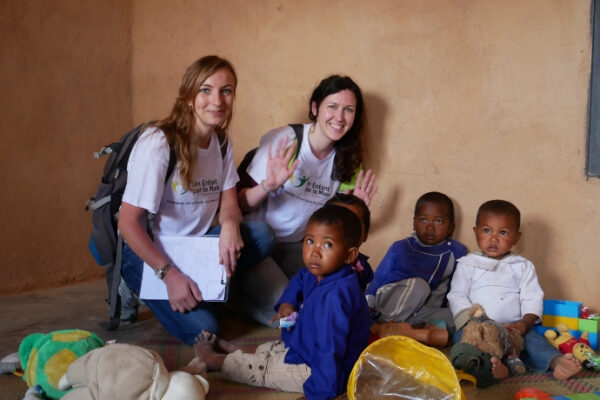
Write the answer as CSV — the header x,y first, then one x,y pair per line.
x,y
506,285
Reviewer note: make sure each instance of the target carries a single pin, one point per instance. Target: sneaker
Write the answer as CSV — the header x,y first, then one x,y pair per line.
x,y
515,365
10,364
129,303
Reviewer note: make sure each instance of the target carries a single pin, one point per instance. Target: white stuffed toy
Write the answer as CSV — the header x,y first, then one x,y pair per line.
x,y
124,371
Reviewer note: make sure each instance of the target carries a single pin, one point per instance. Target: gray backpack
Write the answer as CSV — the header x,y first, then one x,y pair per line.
x,y
106,243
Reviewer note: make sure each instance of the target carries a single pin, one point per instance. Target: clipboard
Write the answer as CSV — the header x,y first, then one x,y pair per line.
x,y
195,256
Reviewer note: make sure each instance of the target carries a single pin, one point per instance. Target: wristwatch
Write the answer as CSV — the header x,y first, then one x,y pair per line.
x,y
162,271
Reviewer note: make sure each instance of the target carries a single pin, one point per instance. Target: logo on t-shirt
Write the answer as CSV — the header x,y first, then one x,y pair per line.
x,y
317,189
309,187
298,182
206,186
178,188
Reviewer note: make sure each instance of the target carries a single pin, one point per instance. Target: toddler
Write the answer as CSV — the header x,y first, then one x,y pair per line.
x,y
411,283
506,285
317,354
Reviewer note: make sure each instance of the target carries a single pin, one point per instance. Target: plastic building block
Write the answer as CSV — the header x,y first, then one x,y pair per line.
x,y
593,338
553,320
531,393
589,325
578,396
581,396
562,308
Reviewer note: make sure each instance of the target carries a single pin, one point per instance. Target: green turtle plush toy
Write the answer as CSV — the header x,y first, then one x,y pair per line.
x,y
46,357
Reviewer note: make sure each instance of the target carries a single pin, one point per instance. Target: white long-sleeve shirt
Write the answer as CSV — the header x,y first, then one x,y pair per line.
x,y
507,289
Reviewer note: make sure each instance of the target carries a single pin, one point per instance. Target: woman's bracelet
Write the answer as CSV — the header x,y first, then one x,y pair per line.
x,y
264,188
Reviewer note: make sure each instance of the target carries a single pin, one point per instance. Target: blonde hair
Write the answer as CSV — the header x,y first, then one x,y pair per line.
x,y
178,127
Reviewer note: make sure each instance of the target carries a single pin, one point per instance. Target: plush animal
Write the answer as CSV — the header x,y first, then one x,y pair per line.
x,y
561,338
493,338
564,341
125,371
45,357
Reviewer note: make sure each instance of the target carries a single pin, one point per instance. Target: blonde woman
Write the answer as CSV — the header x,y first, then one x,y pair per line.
x,y
186,203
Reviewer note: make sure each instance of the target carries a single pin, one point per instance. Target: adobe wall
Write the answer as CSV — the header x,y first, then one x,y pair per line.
x,y
479,100
66,91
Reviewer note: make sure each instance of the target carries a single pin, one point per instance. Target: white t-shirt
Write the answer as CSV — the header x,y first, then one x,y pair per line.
x,y
309,187
178,211
507,288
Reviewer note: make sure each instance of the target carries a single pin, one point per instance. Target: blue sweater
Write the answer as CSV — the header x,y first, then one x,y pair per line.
x,y
331,331
363,270
409,258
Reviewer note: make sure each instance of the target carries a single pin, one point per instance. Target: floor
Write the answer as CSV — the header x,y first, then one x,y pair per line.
x,y
80,306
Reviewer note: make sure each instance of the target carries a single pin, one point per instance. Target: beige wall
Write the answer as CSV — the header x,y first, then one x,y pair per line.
x,y
66,90
479,100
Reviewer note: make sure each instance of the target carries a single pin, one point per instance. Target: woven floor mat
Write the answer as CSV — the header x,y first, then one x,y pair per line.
x,y
584,382
176,354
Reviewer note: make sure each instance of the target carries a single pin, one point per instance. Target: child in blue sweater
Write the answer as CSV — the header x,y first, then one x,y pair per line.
x,y
412,280
316,355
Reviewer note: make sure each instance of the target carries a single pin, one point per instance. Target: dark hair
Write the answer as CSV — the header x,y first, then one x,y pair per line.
x,y
348,150
350,199
343,219
438,198
501,207
179,125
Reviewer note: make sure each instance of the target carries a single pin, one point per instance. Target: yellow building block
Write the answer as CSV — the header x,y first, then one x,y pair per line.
x,y
553,320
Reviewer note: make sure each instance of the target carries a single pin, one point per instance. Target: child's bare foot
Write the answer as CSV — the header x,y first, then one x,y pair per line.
x,y
204,348
499,370
220,345
566,366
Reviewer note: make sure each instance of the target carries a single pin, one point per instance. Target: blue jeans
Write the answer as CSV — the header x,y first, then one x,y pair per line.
x,y
537,353
258,243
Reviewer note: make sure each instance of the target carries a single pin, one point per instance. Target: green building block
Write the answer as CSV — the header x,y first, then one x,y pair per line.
x,y
589,325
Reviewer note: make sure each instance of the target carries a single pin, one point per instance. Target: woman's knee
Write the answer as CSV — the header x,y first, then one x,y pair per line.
x,y
259,236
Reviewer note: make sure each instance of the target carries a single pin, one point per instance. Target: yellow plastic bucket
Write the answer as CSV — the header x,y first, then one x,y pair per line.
x,y
401,367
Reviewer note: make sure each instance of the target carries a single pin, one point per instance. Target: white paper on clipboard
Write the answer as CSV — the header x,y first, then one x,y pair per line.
x,y
198,258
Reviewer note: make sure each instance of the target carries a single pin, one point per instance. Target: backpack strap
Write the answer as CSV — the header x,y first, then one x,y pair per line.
x,y
349,185
223,141
172,162
298,130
